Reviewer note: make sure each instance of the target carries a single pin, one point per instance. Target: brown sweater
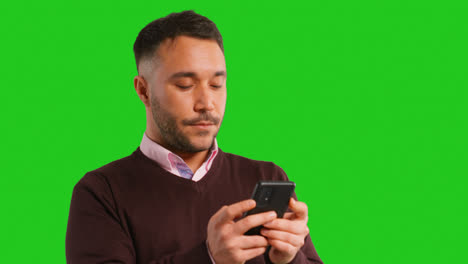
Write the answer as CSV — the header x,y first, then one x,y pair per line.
x,y
133,211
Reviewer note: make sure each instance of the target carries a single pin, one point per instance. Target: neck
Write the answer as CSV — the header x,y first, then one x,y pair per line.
x,y
194,160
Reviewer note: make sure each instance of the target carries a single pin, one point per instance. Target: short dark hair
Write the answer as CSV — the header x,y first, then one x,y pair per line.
x,y
187,23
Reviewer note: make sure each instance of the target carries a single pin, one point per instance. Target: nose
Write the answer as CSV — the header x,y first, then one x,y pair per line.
x,y
204,99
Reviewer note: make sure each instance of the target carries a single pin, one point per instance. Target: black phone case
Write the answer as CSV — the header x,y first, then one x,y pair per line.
x,y
281,191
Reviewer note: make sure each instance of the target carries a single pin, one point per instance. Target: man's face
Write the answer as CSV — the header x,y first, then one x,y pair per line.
x,y
188,93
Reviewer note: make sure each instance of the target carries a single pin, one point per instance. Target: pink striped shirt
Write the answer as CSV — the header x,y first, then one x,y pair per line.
x,y
169,161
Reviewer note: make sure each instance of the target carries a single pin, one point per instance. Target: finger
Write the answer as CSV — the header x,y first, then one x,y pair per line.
x,y
255,220
295,227
235,210
253,242
282,246
252,253
289,216
290,238
299,208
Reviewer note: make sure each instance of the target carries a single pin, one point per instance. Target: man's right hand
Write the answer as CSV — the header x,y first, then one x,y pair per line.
x,y
226,240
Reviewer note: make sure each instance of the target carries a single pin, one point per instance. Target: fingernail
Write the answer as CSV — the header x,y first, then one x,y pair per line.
x,y
272,215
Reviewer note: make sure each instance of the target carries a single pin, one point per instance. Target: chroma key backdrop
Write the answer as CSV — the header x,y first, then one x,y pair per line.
x,y
362,103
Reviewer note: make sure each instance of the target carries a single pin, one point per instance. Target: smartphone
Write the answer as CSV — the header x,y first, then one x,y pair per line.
x,y
270,196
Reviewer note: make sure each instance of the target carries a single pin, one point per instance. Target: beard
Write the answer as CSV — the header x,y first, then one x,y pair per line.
x,y
172,135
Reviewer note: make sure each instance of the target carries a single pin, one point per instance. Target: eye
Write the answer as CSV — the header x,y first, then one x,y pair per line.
x,y
184,87
217,86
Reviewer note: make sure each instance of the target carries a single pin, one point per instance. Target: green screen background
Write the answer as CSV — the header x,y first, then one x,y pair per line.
x,y
362,103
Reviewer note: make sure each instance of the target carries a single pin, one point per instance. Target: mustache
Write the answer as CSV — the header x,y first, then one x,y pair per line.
x,y
203,117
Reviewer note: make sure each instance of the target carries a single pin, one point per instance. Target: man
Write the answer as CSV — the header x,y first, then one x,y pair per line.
x,y
178,198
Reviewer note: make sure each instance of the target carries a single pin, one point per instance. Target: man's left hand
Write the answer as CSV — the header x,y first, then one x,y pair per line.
x,y
286,235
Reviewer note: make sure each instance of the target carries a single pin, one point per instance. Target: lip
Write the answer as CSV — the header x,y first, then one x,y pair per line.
x,y
203,125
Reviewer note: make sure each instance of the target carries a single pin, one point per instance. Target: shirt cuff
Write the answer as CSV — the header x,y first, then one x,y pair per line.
x,y
209,253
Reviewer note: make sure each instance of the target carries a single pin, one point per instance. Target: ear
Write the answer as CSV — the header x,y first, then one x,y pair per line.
x,y
142,89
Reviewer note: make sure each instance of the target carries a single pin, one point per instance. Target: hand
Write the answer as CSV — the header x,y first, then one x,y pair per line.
x,y
226,240
286,235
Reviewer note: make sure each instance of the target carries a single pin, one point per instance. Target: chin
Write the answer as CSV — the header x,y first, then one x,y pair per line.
x,y
203,144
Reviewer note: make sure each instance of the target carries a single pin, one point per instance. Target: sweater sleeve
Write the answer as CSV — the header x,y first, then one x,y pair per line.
x,y
198,254
95,233
307,254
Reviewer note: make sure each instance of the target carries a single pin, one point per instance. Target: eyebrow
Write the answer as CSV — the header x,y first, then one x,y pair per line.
x,y
193,74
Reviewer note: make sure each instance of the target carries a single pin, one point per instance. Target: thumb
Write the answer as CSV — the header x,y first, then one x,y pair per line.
x,y
299,208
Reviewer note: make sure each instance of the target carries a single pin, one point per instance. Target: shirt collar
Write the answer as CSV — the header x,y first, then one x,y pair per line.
x,y
166,158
